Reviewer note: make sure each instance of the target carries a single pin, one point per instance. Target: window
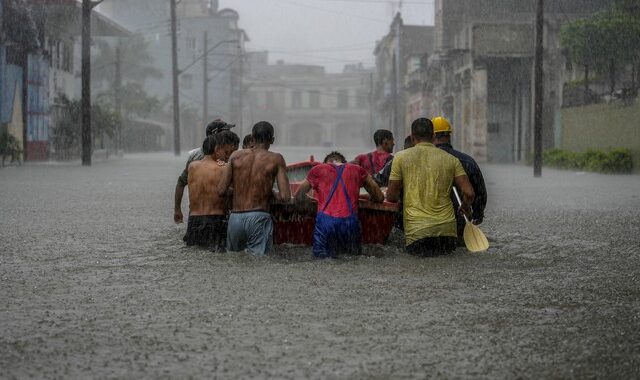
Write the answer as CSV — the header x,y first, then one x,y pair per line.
x,y
361,98
296,99
314,99
270,102
191,43
343,99
187,81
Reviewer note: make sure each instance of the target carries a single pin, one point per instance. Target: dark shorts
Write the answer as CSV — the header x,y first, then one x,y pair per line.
x,y
207,231
333,236
433,246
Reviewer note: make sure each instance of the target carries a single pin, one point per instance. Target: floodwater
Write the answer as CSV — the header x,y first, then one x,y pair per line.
x,y
96,282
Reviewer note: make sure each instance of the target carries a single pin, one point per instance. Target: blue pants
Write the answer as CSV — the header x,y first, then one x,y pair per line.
x,y
336,235
250,231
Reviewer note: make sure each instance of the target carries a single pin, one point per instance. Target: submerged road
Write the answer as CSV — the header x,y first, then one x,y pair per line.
x,y
96,282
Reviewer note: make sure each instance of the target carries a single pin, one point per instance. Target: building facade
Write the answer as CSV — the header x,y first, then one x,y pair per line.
x,y
307,106
480,76
397,94
225,58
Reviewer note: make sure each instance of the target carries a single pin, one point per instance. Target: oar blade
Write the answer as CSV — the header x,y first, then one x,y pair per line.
x,y
474,238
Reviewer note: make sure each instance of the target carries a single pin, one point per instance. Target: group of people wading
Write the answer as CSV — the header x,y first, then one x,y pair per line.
x,y
231,190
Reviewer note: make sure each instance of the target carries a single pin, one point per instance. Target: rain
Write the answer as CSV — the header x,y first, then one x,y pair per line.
x,y
97,281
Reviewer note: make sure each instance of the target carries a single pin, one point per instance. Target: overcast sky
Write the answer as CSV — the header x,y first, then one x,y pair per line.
x,y
330,33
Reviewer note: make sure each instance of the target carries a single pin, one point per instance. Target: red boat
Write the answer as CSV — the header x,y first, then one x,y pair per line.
x,y
292,227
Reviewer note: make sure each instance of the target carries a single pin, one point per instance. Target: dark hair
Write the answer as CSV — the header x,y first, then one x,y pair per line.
x,y
380,135
262,132
422,129
248,139
336,156
209,145
442,134
218,126
227,138
408,143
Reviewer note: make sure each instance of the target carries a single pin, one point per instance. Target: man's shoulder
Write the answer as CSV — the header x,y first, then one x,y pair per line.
x,y
194,153
464,158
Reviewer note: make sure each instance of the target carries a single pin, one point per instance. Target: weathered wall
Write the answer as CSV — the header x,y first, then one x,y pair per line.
x,y
602,126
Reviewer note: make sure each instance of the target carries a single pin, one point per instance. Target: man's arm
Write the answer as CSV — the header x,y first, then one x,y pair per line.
x,y
177,203
464,186
227,176
480,202
373,189
179,193
301,194
394,190
284,191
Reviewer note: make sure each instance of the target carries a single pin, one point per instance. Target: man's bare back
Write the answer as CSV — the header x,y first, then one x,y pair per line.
x,y
204,176
252,172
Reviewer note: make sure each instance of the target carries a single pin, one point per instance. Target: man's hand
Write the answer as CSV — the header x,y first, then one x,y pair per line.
x,y
465,210
309,206
177,216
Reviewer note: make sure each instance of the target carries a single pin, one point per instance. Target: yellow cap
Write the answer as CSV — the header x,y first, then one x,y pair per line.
x,y
440,124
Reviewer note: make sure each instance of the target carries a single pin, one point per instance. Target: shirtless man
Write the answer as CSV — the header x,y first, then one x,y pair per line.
x,y
251,173
207,224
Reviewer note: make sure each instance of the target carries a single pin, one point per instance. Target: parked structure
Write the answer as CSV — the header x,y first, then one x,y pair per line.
x,y
308,106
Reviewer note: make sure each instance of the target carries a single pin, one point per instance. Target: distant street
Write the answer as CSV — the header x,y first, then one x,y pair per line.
x,y
96,282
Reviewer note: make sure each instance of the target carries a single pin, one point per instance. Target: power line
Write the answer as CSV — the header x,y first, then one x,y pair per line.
x,y
349,15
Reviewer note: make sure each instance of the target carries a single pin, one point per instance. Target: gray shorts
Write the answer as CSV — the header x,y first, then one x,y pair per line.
x,y
250,231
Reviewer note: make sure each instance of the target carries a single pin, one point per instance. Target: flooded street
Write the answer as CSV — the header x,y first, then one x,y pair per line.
x,y
96,282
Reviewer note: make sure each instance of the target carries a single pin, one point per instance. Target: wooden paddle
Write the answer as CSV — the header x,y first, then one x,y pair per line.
x,y
474,239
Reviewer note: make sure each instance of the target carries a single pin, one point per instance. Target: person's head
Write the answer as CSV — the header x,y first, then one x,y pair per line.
x,y
226,143
247,142
262,133
218,126
408,142
335,158
422,130
209,145
441,130
384,139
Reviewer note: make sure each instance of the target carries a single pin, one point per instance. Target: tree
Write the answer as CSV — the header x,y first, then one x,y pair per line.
x,y
66,132
135,60
19,26
608,41
135,101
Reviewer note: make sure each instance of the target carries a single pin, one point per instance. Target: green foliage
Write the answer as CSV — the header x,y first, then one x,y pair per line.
x,y
134,100
605,42
18,26
136,63
67,132
9,147
612,161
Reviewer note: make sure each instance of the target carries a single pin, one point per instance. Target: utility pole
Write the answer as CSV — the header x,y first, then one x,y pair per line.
x,y
87,6
118,99
176,95
538,95
205,82
398,96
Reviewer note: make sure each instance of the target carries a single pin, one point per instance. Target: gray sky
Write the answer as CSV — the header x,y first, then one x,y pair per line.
x,y
330,33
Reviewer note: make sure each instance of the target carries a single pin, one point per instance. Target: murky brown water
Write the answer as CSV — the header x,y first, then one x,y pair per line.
x,y
97,283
